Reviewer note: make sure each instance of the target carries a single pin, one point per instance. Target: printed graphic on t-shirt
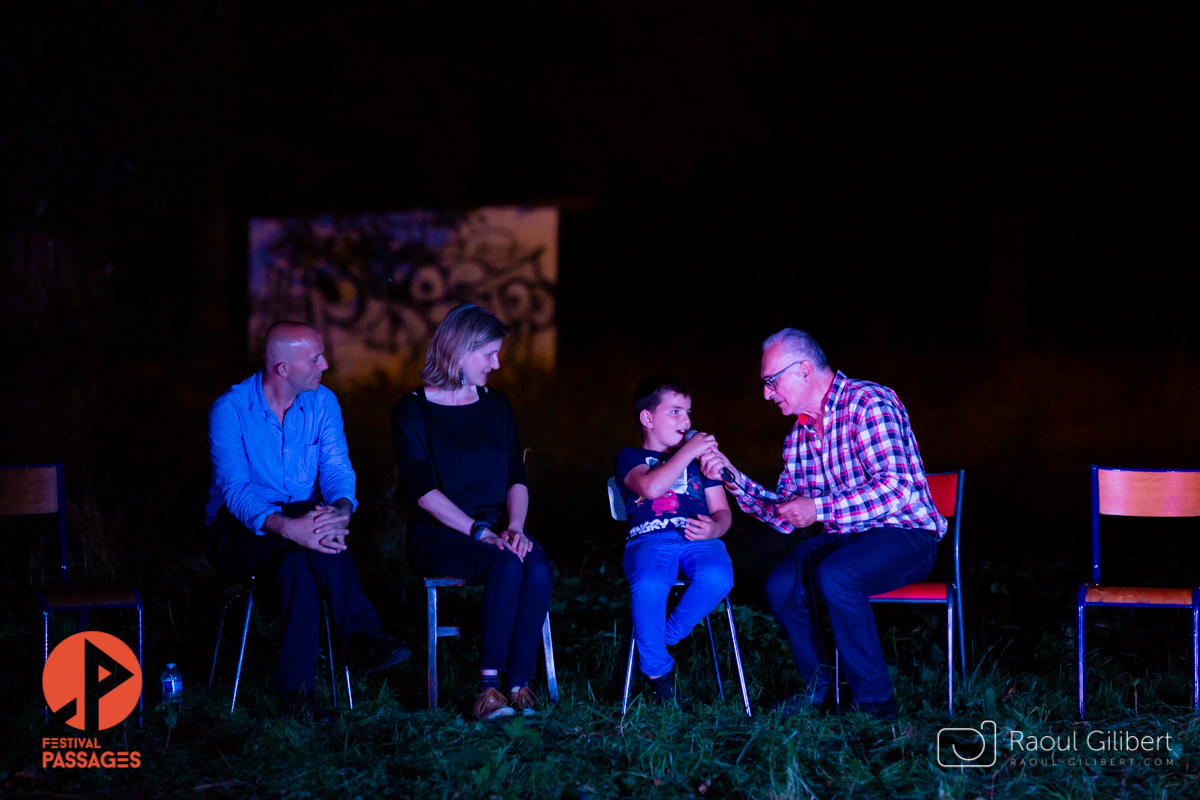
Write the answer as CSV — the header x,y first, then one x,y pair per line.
x,y
685,499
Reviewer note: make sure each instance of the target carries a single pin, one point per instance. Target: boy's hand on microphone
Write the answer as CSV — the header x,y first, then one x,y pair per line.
x,y
700,443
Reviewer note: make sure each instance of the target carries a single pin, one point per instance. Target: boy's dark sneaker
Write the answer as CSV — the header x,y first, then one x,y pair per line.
x,y
885,711
665,692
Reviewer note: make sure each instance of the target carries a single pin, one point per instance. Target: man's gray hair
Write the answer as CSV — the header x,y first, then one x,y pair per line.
x,y
800,345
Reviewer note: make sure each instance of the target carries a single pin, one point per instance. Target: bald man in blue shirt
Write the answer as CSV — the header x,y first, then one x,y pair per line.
x,y
272,437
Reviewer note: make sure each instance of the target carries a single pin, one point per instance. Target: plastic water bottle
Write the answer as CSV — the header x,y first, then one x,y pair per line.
x,y
172,687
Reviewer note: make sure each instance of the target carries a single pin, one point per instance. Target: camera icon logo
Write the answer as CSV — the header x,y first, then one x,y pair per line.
x,y
960,748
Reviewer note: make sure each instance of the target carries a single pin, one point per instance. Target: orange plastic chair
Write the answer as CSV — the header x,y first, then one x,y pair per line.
x,y
1140,493
947,491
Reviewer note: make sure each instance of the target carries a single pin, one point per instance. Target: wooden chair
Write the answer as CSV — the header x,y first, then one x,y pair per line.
x,y
38,489
617,510
947,491
1140,493
435,632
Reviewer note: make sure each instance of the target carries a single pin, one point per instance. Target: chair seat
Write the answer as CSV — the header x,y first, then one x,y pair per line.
x,y
439,583
926,591
100,597
1138,595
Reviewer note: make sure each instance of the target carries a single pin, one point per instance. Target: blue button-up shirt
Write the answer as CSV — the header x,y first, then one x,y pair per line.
x,y
259,464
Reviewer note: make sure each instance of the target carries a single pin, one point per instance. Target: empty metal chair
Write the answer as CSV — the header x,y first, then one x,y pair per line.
x,y
1140,493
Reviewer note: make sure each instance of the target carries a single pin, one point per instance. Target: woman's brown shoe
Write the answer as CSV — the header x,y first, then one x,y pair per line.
x,y
523,701
491,706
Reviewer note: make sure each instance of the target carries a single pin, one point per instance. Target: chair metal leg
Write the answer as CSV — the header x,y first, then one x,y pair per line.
x,y
962,639
551,673
237,677
45,651
216,650
332,663
628,673
737,656
346,671
1196,651
837,678
431,629
950,599
712,645
1080,607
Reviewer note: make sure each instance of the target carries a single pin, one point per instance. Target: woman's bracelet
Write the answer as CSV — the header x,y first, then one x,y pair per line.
x,y
479,528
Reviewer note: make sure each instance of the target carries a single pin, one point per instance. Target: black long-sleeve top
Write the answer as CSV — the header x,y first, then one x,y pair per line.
x,y
470,453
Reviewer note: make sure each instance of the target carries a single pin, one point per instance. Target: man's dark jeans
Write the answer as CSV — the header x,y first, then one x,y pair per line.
x,y
303,577
847,569
516,594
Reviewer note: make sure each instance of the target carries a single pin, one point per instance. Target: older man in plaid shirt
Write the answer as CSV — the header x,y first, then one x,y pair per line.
x,y
852,464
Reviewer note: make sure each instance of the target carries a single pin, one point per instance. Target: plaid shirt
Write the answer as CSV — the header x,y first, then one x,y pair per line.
x,y
866,472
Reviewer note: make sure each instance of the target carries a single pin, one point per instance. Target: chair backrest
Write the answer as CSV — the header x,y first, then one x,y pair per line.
x,y
946,488
37,489
615,506
947,491
1140,493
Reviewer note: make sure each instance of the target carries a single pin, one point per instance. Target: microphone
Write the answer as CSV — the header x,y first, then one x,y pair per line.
x,y
726,475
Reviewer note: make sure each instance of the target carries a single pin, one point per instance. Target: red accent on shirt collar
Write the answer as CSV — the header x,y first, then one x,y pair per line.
x,y
805,419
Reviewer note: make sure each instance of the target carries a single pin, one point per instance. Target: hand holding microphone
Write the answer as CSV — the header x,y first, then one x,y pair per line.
x,y
716,466
699,443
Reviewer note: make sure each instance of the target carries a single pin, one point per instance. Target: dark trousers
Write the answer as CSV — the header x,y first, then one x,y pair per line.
x,y
303,577
847,569
516,594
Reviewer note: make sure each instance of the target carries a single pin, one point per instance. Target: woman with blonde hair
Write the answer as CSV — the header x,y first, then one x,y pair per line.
x,y
463,466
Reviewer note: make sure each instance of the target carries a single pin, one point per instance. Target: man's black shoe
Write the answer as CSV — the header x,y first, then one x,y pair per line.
x,y
375,650
801,701
884,712
815,698
665,692
303,706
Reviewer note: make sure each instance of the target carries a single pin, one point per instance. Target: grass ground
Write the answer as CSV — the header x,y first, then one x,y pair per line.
x,y
391,745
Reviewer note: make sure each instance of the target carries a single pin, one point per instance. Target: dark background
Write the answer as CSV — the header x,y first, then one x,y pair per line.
x,y
992,210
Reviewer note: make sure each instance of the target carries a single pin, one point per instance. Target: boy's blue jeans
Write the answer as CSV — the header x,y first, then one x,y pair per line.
x,y
847,570
652,565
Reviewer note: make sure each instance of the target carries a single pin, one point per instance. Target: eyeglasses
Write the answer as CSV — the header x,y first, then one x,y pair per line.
x,y
769,382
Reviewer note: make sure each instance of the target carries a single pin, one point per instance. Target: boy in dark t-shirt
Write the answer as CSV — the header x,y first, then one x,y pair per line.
x,y
676,518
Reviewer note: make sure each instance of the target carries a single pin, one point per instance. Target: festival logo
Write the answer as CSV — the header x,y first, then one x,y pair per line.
x,y
92,681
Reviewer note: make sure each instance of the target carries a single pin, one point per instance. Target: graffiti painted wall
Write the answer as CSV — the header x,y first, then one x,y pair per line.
x,y
376,285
